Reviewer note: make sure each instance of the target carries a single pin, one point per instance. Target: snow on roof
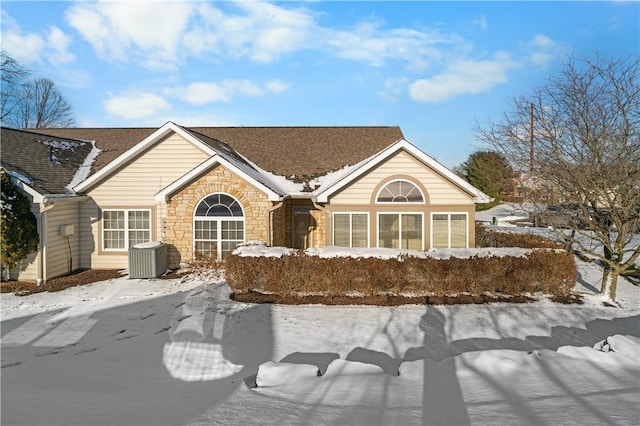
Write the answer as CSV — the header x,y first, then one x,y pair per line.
x,y
85,169
21,177
286,186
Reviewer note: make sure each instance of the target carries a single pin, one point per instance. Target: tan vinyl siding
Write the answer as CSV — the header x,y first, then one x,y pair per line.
x,y
59,252
89,217
439,190
137,182
134,187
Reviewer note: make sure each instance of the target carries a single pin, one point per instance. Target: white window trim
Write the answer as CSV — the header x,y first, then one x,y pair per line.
x,y
449,228
219,220
399,230
126,228
333,227
218,240
395,203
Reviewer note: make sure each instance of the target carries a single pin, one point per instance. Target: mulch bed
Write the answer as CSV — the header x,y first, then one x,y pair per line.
x,y
386,300
87,276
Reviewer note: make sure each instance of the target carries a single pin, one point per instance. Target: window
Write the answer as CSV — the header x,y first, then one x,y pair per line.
x,y
218,226
351,229
123,229
449,230
400,230
400,191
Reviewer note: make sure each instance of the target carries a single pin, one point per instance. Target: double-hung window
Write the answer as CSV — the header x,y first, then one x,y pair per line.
x,y
351,229
449,230
123,229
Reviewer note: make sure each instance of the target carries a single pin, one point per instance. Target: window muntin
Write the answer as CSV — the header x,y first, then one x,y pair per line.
x,y
351,229
219,205
449,230
218,226
400,191
123,229
400,230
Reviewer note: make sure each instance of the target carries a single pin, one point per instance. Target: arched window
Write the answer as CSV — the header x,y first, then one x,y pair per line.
x,y
218,226
400,191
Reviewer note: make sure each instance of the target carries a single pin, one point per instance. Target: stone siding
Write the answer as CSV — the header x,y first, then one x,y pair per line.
x,y
181,207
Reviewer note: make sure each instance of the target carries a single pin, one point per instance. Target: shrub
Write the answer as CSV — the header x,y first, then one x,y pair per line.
x,y
18,225
489,238
545,271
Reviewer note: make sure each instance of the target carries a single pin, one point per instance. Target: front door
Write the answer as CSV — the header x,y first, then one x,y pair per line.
x,y
302,227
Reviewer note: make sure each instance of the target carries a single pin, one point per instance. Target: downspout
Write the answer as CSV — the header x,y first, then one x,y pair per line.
x,y
271,210
42,244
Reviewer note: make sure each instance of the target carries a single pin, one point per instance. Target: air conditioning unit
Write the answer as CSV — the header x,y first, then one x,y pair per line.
x,y
147,260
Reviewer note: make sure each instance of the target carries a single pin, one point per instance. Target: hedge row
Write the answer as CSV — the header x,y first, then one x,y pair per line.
x,y
550,272
489,238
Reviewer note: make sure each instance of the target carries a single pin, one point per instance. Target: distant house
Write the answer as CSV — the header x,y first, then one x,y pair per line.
x,y
202,190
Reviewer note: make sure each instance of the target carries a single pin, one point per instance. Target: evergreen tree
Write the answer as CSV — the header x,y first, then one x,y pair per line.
x,y
490,172
18,225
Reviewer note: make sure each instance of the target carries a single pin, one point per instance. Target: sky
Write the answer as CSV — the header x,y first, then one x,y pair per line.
x,y
436,69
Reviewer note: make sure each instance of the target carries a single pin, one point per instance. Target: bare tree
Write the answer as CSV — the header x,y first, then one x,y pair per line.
x,y
31,103
586,139
42,105
13,77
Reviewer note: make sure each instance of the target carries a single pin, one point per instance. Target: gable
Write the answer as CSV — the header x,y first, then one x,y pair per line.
x,y
402,165
136,181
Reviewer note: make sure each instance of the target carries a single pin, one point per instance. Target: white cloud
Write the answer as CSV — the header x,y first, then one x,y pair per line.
x,y
201,93
542,41
135,105
368,42
276,86
31,47
150,32
393,88
481,22
58,42
542,50
262,32
463,78
160,35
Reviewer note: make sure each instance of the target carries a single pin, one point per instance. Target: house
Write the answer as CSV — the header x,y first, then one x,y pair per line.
x,y
202,190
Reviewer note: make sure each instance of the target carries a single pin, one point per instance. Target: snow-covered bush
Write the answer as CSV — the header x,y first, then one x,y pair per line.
x,y
504,273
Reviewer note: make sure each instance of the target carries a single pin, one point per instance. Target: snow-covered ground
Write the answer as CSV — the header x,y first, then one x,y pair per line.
x,y
170,352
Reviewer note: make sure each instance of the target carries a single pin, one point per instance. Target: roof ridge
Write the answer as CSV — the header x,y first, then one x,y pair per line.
x,y
295,127
37,133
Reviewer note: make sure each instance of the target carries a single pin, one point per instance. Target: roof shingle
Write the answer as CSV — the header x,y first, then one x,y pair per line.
x,y
48,161
301,153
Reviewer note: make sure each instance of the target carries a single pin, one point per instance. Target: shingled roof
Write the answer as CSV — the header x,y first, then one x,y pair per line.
x,y
46,163
301,153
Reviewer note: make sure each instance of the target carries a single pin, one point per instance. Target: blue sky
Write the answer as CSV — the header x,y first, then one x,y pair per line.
x,y
432,68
